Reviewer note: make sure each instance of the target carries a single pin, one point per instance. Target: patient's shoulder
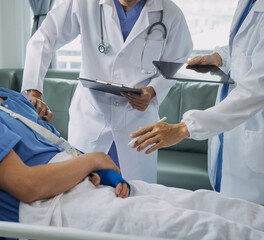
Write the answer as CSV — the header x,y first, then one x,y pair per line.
x,y
5,93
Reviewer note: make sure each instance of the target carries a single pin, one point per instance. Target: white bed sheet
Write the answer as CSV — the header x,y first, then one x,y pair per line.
x,y
152,211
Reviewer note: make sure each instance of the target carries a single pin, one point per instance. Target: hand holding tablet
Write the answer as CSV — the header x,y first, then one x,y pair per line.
x,y
192,73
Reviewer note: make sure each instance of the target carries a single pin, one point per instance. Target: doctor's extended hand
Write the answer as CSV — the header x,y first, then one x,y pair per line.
x,y
43,110
212,59
140,101
160,134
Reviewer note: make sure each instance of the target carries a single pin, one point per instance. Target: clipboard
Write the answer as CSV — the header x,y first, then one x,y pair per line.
x,y
192,73
108,87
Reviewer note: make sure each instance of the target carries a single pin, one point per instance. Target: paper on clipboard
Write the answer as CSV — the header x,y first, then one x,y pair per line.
x,y
113,88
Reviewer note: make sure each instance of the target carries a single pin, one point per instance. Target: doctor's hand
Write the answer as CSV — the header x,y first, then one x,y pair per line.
x,y
160,134
43,110
140,101
212,59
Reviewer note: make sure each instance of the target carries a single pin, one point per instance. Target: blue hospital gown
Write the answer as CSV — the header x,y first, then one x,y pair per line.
x,y
32,148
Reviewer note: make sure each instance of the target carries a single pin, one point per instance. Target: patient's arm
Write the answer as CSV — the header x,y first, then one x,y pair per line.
x,y
43,181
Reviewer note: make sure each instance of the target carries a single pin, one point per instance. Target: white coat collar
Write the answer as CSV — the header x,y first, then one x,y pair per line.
x,y
258,7
152,5
239,11
143,20
105,2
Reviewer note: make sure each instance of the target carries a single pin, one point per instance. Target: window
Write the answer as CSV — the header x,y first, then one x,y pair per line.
x,y
209,22
68,57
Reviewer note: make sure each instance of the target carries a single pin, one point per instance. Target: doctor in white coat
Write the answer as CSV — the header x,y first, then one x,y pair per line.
x,y
97,118
240,115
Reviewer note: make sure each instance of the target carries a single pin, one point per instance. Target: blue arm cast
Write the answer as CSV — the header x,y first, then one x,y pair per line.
x,y
111,178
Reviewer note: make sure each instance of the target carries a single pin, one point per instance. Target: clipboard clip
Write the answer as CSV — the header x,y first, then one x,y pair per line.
x,y
110,83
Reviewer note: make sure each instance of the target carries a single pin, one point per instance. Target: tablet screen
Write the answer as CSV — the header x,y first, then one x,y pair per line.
x,y
194,73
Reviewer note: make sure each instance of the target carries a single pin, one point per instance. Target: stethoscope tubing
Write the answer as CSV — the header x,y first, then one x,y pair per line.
x,y
161,24
104,47
148,32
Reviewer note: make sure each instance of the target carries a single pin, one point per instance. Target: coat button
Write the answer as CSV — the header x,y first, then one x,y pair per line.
x,y
116,103
117,77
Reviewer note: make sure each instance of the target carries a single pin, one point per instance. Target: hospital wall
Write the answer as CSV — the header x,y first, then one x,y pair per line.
x,y
15,32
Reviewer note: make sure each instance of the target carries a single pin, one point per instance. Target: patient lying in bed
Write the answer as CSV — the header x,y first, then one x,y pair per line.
x,y
69,199
24,154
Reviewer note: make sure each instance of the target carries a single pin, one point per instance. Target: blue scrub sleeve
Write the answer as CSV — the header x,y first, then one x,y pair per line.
x,y
111,178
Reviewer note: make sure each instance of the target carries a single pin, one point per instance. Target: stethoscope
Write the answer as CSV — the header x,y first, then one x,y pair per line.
x,y
104,47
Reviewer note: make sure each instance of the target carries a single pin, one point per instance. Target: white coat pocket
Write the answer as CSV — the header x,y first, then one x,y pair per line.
x,y
151,53
86,122
254,151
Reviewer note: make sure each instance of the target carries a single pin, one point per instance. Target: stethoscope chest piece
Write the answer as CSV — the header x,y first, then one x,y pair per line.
x,y
103,47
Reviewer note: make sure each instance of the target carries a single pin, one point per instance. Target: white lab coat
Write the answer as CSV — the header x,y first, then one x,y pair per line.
x,y
241,114
96,118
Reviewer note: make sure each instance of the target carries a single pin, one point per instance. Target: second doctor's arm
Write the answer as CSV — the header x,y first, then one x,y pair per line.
x,y
245,100
177,49
160,134
60,27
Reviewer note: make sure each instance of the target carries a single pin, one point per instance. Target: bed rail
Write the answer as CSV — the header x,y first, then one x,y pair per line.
x,y
26,231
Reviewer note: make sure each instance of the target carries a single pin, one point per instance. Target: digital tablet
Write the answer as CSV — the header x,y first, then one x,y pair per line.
x,y
194,73
113,88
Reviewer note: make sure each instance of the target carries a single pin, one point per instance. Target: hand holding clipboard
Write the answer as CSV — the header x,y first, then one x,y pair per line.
x,y
113,88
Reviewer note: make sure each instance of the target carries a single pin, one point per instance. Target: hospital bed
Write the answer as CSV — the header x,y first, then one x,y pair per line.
x,y
183,165
152,212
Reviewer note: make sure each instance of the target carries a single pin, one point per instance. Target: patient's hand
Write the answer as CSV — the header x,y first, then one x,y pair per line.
x,y
122,190
95,179
113,179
